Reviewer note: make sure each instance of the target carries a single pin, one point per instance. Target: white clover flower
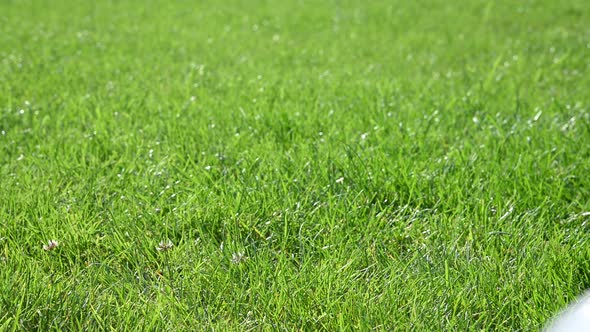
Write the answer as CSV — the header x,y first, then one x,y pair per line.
x,y
52,244
238,257
164,245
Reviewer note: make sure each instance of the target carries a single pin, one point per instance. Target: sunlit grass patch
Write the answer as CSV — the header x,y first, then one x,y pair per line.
x,y
326,165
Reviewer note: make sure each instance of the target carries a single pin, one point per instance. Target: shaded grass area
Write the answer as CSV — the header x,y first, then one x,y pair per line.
x,y
316,165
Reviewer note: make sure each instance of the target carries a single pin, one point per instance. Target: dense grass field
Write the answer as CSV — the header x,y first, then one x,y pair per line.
x,y
293,165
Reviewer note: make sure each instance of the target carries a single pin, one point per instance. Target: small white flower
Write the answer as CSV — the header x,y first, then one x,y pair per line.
x,y
164,245
52,244
238,257
340,180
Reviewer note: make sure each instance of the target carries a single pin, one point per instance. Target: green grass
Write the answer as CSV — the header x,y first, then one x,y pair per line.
x,y
317,165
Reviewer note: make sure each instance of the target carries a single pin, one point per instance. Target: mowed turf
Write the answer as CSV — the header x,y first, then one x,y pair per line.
x,y
293,165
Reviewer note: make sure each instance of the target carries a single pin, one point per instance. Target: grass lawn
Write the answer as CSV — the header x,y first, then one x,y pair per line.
x,y
293,165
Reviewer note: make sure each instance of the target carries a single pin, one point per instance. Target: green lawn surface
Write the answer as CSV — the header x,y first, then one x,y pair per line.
x,y
293,165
